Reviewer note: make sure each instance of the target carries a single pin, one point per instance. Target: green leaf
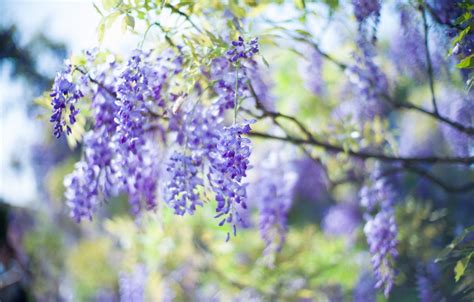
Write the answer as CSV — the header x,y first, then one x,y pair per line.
x,y
130,21
461,35
97,9
108,4
101,32
461,266
333,4
237,10
300,4
467,62
303,32
265,62
463,18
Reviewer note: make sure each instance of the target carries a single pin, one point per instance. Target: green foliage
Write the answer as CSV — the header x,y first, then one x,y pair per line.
x,y
457,256
91,267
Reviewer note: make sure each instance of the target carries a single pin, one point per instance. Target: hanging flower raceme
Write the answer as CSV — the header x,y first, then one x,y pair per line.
x,y
273,197
64,96
364,9
381,229
132,286
428,278
120,150
131,103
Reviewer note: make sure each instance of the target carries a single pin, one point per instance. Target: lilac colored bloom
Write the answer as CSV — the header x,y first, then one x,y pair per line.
x,y
132,104
120,151
105,295
460,108
368,79
230,85
408,50
364,290
342,220
428,280
311,184
378,198
242,50
229,163
273,197
447,10
378,193
184,182
313,73
381,232
82,191
132,285
231,74
364,9
64,96
261,86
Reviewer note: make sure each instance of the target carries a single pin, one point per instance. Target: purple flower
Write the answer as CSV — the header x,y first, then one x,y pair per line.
x,y
132,285
447,10
342,220
408,50
428,278
311,184
313,73
273,197
184,182
120,150
242,50
260,86
460,108
229,162
364,9
381,232
64,96
368,79
364,290
378,193
380,228
82,191
230,85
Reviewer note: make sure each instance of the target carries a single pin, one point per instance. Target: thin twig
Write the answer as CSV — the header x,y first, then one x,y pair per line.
x,y
409,106
447,187
367,154
183,14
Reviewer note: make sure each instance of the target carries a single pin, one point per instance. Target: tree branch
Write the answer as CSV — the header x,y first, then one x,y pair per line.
x,y
447,187
397,104
409,106
367,154
183,14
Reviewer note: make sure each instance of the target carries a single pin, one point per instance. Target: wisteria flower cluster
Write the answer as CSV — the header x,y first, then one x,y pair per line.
x,y
364,9
273,196
64,97
381,229
133,107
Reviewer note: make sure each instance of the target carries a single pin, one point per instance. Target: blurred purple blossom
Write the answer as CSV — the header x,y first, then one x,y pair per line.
x,y
364,290
364,9
273,197
342,220
132,285
313,73
458,106
381,232
428,278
